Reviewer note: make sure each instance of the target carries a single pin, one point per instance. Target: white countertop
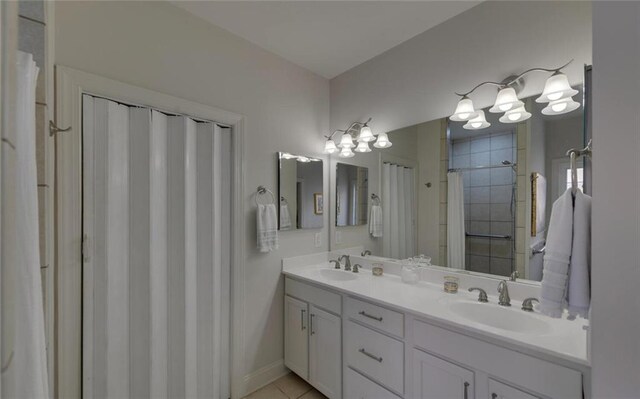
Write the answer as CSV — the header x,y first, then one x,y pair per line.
x,y
565,340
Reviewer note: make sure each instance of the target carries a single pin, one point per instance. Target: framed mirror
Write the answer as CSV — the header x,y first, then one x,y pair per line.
x,y
352,190
300,194
482,197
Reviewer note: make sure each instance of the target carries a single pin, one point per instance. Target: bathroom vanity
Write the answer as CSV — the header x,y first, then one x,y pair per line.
x,y
355,335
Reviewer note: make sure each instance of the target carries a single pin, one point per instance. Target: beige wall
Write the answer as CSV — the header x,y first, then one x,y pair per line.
x,y
158,46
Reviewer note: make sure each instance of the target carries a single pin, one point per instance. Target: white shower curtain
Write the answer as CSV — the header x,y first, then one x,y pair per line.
x,y
156,208
398,191
26,375
455,221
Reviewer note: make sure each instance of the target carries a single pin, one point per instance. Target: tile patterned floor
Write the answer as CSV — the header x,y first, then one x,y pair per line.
x,y
288,387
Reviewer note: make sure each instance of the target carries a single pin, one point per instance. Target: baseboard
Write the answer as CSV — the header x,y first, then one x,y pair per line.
x,y
264,376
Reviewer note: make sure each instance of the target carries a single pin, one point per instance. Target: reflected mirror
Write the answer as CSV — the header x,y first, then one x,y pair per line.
x,y
352,189
300,180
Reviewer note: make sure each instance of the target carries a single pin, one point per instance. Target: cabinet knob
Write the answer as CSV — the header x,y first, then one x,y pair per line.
x,y
466,390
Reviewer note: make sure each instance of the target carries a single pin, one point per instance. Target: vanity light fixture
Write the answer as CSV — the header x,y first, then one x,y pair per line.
x,y
361,133
557,92
479,122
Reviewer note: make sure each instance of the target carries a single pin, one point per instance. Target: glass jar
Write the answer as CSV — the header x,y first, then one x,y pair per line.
x,y
409,273
451,284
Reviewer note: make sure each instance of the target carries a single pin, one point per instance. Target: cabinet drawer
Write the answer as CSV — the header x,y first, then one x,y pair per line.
x,y
375,355
533,374
376,316
328,300
358,387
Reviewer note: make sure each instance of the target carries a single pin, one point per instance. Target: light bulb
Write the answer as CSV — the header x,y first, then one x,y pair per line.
x,y
464,110
363,147
366,135
554,96
346,141
346,153
559,107
515,116
330,147
383,141
479,122
505,107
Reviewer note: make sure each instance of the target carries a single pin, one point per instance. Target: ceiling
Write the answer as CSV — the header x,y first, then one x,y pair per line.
x,y
326,37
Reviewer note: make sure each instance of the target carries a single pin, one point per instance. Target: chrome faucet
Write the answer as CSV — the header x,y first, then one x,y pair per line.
x,y
336,262
347,262
503,290
527,304
365,253
482,296
514,275
356,267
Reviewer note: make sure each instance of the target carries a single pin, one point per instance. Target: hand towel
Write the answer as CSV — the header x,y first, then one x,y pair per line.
x,y
267,227
557,256
375,221
579,289
285,217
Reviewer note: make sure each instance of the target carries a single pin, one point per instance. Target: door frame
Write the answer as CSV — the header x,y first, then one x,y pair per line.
x,y
70,85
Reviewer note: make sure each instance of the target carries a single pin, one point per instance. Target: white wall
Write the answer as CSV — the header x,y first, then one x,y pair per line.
x,y
615,345
415,81
158,46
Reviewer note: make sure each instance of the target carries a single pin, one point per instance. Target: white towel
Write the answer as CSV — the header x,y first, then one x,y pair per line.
x,y
557,256
579,290
267,227
375,221
285,217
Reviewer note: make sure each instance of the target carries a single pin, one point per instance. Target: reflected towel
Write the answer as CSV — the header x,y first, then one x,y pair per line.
x,y
267,227
557,257
285,217
375,221
579,290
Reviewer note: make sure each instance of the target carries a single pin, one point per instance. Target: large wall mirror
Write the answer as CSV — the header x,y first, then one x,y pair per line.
x,y
476,199
300,195
352,190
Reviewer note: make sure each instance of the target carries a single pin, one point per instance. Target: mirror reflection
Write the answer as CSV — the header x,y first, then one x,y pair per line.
x,y
352,190
300,181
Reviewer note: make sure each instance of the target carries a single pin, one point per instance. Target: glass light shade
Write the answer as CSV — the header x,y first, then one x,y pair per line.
x,y
363,147
515,115
464,110
383,141
506,100
346,153
346,141
330,147
366,135
561,106
477,123
557,87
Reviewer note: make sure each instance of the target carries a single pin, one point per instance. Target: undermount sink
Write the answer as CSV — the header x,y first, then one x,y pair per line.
x,y
337,275
509,319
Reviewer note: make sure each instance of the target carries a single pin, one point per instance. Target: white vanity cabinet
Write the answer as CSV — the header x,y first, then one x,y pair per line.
x,y
313,336
437,378
498,390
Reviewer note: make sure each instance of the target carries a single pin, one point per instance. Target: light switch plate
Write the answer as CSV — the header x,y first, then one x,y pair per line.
x,y
317,240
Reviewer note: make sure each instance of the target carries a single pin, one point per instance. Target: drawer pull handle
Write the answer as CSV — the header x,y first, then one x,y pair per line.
x,y
374,357
302,327
312,316
494,396
365,314
466,390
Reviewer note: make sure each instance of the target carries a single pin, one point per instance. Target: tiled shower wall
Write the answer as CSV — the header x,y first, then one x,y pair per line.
x,y
489,200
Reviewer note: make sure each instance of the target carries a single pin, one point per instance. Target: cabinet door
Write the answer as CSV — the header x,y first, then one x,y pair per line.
x,y
437,378
296,337
325,349
498,390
